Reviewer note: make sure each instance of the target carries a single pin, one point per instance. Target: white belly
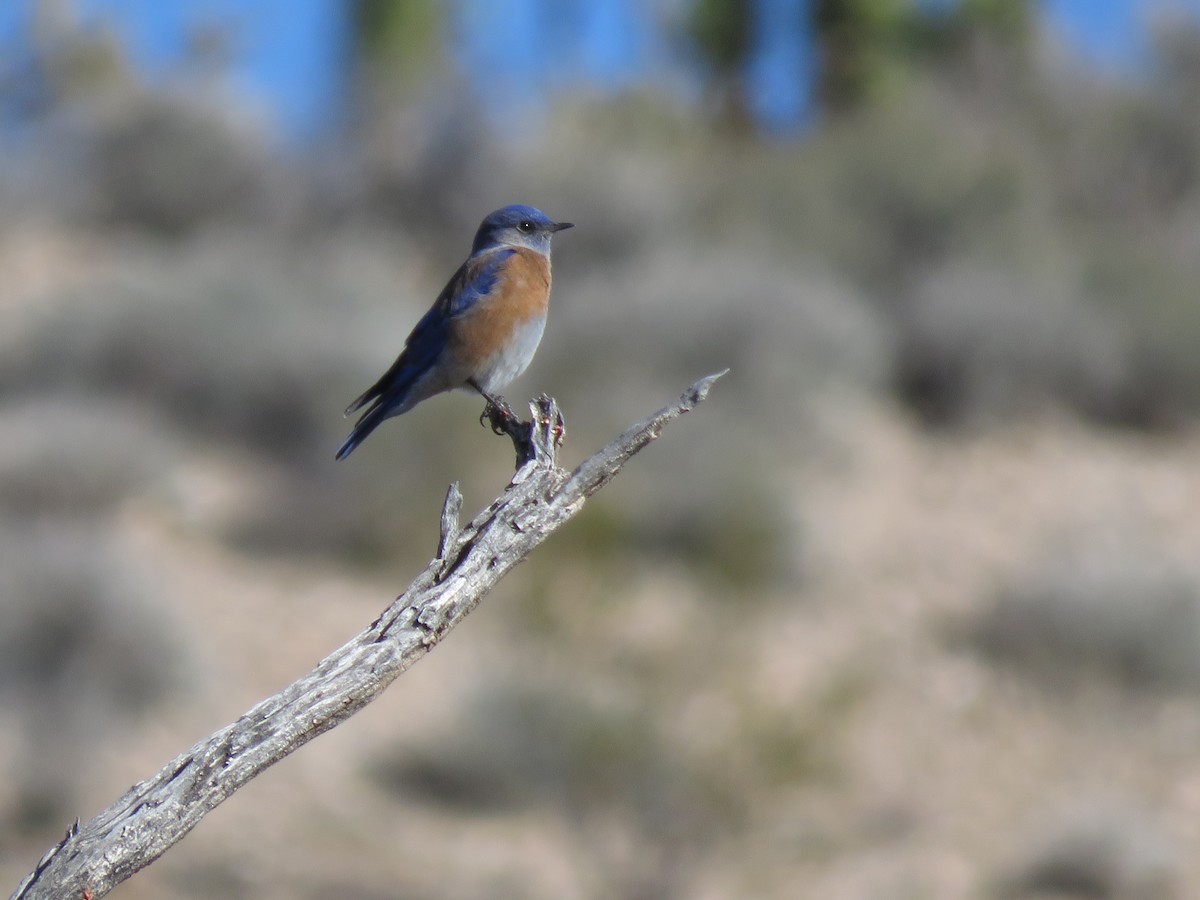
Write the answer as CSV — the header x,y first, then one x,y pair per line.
x,y
513,359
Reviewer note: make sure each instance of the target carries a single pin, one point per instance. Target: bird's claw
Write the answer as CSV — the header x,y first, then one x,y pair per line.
x,y
500,416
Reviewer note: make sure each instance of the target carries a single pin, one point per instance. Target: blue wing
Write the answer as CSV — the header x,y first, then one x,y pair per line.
x,y
473,281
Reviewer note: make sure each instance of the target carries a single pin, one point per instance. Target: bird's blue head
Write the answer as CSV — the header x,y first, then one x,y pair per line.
x,y
517,226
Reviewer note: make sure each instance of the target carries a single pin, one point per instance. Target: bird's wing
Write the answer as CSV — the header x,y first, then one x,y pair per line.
x,y
473,281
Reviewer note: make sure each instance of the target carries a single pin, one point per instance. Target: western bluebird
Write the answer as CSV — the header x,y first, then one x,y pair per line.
x,y
482,330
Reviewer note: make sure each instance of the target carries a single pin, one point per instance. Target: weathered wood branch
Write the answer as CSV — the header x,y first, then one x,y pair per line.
x,y
95,857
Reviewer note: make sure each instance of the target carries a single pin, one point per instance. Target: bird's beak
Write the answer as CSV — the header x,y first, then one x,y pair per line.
x,y
561,226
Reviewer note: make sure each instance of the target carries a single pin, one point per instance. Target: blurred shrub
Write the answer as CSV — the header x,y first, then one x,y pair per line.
x,y
722,31
211,338
735,535
988,344
870,48
82,649
1151,297
1097,852
168,166
1022,180
1127,161
77,457
536,746
227,878
682,312
865,46
896,190
595,764
1098,605
401,35
71,607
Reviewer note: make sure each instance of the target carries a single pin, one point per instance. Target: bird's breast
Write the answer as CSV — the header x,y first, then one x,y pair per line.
x,y
499,334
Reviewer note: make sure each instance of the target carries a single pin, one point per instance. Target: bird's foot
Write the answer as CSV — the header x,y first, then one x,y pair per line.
x,y
500,416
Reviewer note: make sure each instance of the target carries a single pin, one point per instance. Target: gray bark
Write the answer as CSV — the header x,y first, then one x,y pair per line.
x,y
95,857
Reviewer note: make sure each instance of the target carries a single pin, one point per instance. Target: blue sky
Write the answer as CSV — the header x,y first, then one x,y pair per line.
x,y
1112,34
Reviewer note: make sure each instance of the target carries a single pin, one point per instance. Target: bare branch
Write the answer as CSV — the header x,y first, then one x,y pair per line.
x,y
95,857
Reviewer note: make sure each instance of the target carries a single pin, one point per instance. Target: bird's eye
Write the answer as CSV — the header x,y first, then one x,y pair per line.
x,y
525,226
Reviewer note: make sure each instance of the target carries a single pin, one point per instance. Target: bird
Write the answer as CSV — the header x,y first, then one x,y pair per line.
x,y
482,330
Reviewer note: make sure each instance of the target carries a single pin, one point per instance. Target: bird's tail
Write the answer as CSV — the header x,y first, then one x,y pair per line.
x,y
362,400
363,427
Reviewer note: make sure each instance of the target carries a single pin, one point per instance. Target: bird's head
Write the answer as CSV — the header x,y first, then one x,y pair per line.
x,y
517,226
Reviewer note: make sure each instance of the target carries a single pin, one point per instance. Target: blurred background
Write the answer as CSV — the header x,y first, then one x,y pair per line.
x,y
909,609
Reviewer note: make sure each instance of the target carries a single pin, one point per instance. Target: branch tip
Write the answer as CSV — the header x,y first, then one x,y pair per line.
x,y
699,391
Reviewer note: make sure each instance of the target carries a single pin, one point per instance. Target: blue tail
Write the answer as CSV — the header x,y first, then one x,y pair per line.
x,y
362,428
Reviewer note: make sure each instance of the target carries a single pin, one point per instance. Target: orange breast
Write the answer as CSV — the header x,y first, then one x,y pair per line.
x,y
522,293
